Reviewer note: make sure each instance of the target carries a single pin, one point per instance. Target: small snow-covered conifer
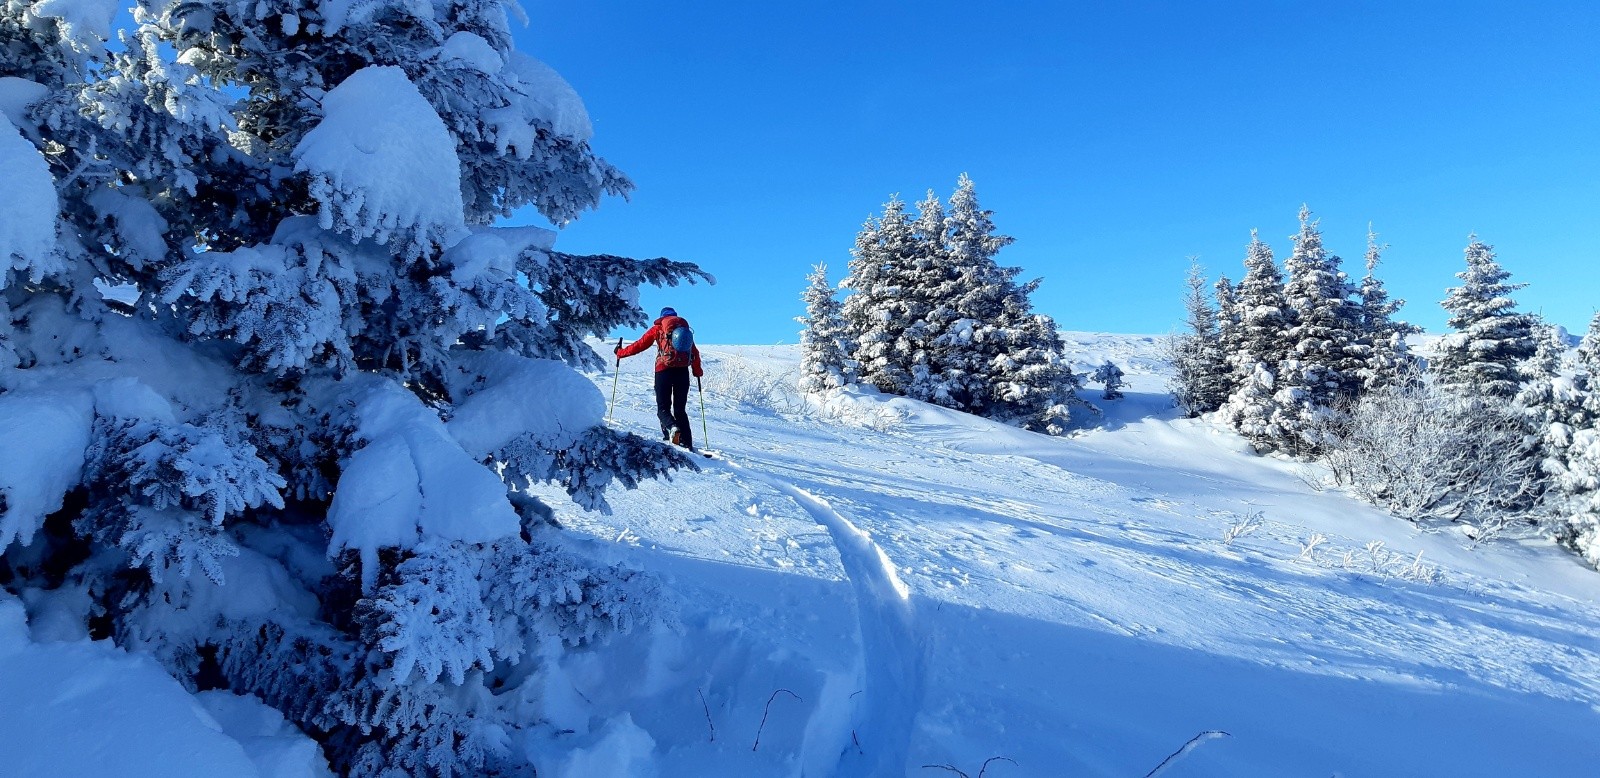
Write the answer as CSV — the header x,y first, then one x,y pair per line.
x,y
1202,378
1491,340
824,344
1109,376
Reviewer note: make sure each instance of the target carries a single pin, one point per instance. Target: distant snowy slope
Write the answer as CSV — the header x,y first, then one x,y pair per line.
x,y
879,585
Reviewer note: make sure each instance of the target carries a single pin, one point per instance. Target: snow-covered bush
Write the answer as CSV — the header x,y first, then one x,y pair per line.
x,y
1424,451
322,377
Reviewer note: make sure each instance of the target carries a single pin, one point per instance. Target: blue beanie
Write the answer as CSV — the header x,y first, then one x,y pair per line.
x,y
667,311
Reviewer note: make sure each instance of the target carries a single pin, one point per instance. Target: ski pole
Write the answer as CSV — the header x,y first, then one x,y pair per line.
x,y
614,375
705,434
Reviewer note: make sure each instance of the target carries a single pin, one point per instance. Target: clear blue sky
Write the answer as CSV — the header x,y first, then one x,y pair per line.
x,y
1113,141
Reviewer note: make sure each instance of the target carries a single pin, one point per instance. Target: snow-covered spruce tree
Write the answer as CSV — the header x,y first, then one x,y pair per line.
x,y
884,306
824,344
1491,340
289,457
934,317
1326,355
1389,359
1202,375
1264,319
992,354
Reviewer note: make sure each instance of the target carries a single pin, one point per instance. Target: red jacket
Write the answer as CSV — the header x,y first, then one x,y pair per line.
x,y
654,334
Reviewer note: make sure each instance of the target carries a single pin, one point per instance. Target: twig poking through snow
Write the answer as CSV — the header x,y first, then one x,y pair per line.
x,y
981,770
985,767
1249,523
768,709
1193,743
1308,549
707,708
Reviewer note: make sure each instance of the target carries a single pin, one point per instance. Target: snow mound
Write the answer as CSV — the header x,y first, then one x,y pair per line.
x,y
541,397
382,163
88,708
84,24
43,436
551,99
28,200
16,94
471,51
411,481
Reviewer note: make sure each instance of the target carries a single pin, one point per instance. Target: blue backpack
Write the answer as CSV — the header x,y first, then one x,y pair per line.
x,y
676,343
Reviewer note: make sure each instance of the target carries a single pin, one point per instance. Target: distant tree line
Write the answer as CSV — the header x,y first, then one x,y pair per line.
x,y
1496,428
931,315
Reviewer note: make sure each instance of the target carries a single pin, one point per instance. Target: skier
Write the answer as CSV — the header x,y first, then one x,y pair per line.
x,y
676,356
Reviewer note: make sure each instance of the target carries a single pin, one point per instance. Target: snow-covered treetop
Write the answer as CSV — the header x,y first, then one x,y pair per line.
x,y
1484,292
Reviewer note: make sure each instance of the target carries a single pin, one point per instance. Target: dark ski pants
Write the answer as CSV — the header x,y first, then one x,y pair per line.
x,y
672,402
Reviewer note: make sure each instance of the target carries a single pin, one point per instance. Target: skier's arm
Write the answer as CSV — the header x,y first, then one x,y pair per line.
x,y
642,343
696,362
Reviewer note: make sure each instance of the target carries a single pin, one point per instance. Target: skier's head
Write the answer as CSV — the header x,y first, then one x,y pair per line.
x,y
667,311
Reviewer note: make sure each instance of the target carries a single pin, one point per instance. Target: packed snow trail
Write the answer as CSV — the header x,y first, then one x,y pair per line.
x,y
892,654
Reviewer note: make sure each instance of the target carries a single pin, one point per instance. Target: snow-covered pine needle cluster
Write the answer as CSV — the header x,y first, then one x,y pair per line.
x,y
284,452
1497,429
932,316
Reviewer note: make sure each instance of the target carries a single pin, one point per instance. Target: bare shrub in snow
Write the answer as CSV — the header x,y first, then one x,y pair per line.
x,y
1426,452
745,382
1375,558
1246,525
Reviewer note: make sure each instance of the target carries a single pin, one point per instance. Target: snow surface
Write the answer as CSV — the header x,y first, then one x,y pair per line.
x,y
382,161
935,589
83,708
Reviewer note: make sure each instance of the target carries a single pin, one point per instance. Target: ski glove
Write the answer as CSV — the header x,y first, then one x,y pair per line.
x,y
698,372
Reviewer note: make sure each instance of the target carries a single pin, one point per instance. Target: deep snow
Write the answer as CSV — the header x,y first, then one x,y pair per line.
x,y
873,586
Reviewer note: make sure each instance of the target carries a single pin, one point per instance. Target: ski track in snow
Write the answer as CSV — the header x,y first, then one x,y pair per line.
x,y
893,655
